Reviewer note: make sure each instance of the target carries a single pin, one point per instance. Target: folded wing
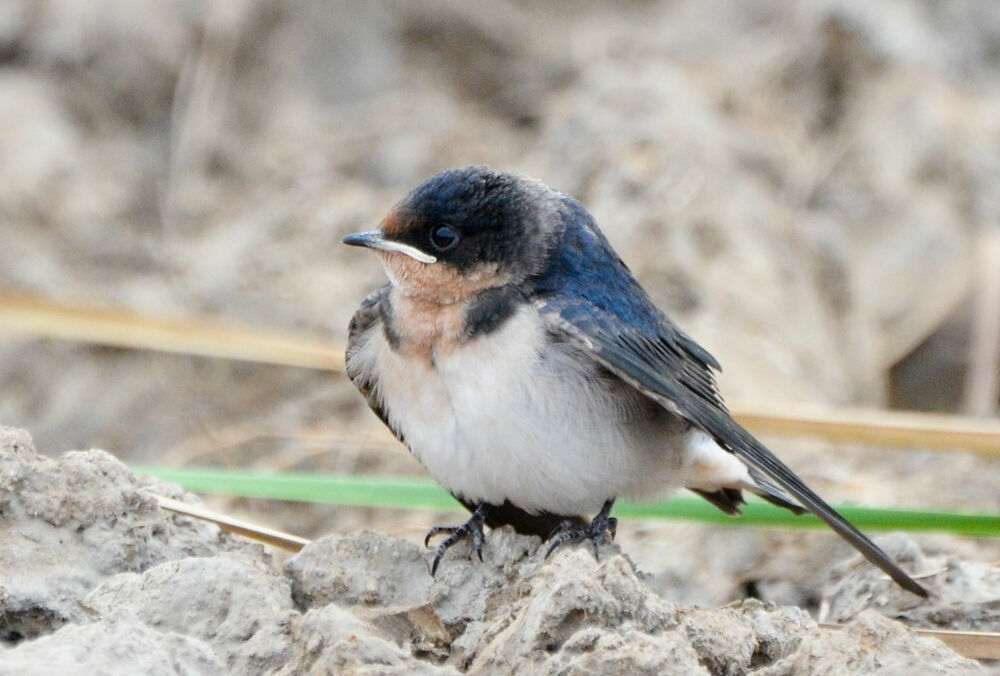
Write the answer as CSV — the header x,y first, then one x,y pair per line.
x,y
620,328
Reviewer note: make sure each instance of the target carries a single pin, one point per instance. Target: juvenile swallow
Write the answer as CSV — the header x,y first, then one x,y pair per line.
x,y
519,360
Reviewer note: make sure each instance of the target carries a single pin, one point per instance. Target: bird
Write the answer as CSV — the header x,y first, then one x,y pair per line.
x,y
520,361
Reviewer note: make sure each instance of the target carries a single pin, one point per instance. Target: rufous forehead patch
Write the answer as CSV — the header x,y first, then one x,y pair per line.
x,y
393,224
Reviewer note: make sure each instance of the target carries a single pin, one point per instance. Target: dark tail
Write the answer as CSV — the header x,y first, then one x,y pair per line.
x,y
755,454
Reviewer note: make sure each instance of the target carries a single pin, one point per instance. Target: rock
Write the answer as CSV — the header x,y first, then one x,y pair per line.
x,y
331,640
417,626
963,594
239,606
69,523
120,644
867,645
366,569
465,589
537,615
736,639
574,615
102,581
626,652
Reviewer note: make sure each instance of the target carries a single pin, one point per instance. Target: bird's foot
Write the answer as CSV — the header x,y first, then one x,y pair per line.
x,y
472,528
602,525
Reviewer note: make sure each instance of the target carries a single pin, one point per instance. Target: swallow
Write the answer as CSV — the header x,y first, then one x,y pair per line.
x,y
515,355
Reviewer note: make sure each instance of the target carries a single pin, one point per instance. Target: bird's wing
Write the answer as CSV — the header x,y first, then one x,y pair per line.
x,y
667,369
364,319
594,302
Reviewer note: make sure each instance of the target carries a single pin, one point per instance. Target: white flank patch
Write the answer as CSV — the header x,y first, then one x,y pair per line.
x,y
713,467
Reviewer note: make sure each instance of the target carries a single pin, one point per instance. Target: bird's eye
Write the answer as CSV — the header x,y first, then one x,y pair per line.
x,y
444,237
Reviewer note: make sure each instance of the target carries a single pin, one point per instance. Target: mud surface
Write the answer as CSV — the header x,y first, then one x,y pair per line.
x,y
98,579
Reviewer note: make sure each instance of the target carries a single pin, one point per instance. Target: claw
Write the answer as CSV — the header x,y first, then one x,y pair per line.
x,y
437,530
602,525
472,528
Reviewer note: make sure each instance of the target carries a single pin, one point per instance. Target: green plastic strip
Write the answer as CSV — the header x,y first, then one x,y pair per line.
x,y
365,491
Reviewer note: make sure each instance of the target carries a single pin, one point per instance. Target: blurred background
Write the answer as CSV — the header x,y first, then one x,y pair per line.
x,y
811,189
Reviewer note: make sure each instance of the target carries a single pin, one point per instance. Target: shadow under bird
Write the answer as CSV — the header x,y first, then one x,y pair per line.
x,y
523,365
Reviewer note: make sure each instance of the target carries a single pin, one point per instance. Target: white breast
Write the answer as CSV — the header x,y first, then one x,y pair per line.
x,y
511,416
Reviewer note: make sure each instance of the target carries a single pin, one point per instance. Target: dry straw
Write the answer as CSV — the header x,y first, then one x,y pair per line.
x,y
212,338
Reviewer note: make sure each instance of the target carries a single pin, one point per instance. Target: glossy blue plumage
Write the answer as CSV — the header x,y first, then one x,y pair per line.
x,y
585,266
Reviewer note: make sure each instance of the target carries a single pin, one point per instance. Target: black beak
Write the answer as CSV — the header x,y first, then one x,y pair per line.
x,y
374,239
371,239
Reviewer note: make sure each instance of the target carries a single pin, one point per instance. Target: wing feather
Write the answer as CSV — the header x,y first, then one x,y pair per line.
x,y
594,302
365,318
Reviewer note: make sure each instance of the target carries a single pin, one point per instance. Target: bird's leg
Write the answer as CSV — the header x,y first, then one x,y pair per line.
x,y
472,528
571,532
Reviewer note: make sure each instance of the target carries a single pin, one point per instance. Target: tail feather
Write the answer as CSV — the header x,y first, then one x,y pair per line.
x,y
729,500
773,493
755,454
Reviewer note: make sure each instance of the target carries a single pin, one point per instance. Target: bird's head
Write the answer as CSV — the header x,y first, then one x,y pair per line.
x,y
464,231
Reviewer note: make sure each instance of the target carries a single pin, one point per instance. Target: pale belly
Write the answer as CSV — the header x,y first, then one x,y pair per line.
x,y
509,417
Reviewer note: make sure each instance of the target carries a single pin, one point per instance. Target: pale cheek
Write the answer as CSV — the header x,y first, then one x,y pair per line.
x,y
413,278
438,283
400,270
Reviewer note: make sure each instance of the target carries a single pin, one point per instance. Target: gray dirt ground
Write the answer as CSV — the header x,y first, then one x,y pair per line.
x,y
801,185
99,579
